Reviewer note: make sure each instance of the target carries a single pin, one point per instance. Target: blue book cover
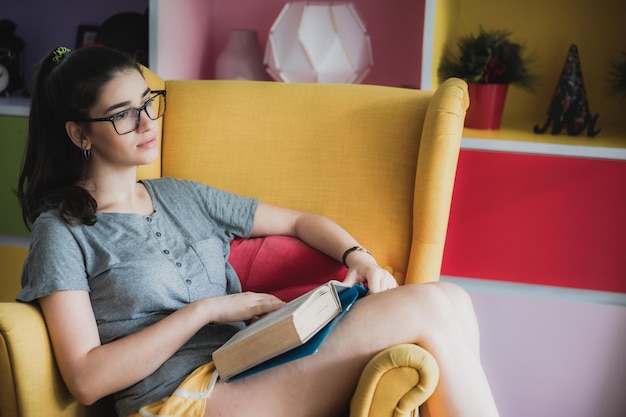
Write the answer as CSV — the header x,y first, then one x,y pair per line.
x,y
347,297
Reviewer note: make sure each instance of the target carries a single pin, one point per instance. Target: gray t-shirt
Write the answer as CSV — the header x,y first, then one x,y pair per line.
x,y
139,269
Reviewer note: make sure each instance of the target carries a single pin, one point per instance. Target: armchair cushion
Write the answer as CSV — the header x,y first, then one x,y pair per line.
x,y
282,265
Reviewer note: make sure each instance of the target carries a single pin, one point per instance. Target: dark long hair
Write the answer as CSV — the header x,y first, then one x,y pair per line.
x,y
66,86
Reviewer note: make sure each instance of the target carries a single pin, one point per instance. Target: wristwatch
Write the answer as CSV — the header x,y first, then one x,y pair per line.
x,y
357,248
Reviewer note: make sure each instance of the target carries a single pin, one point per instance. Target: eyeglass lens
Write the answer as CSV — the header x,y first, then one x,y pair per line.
x,y
128,120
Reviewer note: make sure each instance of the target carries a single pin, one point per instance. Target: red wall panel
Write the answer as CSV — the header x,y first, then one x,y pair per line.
x,y
537,219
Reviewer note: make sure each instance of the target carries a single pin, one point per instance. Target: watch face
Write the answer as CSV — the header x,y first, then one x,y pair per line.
x,y
4,78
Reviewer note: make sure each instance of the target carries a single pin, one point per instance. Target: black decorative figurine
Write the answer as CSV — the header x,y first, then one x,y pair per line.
x,y
569,107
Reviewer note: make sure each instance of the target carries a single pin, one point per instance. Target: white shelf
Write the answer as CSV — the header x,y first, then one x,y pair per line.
x,y
14,106
14,240
542,148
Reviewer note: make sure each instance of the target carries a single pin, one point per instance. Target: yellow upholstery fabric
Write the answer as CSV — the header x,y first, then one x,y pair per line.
x,y
311,154
380,161
30,384
434,179
394,382
12,260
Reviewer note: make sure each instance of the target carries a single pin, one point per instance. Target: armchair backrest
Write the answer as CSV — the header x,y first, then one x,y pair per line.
x,y
380,161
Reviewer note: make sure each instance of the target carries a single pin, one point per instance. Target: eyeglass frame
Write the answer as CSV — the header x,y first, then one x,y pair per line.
x,y
155,94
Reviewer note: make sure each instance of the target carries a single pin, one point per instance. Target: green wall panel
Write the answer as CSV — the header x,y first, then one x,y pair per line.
x,y
13,131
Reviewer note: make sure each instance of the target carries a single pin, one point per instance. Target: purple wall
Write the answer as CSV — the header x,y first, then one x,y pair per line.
x,y
44,25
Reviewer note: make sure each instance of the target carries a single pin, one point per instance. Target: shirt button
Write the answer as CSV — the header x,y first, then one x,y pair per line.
x,y
166,252
188,281
149,219
158,234
178,264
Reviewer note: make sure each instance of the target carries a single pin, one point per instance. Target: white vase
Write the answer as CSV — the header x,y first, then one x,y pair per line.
x,y
241,58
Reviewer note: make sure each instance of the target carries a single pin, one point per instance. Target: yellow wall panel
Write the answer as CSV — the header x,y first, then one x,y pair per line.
x,y
11,261
547,28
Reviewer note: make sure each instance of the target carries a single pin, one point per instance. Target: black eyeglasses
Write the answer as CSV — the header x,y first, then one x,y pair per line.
x,y
128,120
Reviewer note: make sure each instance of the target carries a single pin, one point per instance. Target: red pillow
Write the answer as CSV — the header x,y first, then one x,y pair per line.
x,y
281,265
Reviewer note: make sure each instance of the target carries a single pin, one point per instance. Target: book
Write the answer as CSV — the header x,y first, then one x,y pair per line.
x,y
298,329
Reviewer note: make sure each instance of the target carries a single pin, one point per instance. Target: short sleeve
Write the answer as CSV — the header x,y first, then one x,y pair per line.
x,y
55,261
196,205
231,212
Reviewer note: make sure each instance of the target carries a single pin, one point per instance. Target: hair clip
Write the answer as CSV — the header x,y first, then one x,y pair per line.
x,y
59,53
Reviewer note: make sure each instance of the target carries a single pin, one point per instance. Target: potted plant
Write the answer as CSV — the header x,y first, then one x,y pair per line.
x,y
489,62
617,77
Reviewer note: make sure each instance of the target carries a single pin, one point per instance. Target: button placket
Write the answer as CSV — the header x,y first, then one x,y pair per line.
x,y
153,224
159,235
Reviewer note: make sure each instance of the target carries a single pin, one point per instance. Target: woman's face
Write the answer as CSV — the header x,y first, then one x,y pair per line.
x,y
126,91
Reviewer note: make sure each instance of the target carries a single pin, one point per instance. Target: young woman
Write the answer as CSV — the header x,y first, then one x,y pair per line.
x,y
132,280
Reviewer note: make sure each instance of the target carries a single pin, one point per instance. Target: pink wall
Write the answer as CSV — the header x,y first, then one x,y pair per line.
x,y
181,30
548,353
191,34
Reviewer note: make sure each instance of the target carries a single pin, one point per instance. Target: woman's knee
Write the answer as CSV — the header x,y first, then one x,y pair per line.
x,y
463,313
457,295
444,304
434,298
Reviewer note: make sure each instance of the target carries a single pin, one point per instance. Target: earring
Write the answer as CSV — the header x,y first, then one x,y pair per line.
x,y
86,154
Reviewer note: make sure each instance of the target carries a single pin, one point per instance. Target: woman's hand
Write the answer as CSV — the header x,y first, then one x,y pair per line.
x,y
376,278
241,307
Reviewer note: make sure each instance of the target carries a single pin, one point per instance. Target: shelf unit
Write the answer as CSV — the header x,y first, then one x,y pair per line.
x,y
516,189
546,29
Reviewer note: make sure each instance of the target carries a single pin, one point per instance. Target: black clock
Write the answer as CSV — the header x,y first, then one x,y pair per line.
x,y
11,58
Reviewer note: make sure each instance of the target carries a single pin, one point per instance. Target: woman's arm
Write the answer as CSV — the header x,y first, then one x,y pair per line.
x,y
92,371
326,236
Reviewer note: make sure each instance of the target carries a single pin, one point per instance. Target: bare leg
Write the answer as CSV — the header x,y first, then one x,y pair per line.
x,y
462,303
436,316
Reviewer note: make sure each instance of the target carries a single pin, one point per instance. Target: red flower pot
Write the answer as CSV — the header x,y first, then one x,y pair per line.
x,y
486,105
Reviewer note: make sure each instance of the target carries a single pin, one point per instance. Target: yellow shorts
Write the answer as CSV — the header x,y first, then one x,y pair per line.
x,y
189,399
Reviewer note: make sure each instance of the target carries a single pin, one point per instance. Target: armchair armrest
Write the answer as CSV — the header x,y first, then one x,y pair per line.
x,y
395,382
26,363
30,383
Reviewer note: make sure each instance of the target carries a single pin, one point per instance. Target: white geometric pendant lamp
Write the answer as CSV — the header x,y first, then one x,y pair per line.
x,y
318,43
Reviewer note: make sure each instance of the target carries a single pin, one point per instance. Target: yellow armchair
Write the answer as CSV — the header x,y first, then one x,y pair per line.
x,y
380,161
